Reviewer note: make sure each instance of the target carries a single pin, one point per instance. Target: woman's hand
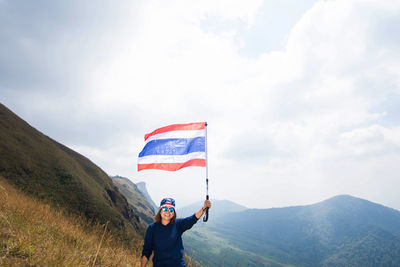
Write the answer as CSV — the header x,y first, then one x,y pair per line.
x,y
144,261
207,204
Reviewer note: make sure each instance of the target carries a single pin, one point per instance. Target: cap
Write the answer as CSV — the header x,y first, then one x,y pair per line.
x,y
167,202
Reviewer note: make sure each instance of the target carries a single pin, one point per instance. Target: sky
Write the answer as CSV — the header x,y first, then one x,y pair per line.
x,y
302,98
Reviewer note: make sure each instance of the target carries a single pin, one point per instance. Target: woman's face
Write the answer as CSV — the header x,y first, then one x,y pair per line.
x,y
167,213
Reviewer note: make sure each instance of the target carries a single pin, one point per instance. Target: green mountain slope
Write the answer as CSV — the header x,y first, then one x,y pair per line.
x,y
207,246
341,231
136,199
52,172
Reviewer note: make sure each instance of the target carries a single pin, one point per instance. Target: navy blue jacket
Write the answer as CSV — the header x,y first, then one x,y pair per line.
x,y
166,242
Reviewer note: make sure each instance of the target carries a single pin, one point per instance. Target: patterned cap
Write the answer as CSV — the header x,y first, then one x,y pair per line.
x,y
167,202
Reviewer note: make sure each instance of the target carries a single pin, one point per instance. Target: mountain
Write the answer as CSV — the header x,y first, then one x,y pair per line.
x,y
142,188
341,231
219,208
136,199
52,172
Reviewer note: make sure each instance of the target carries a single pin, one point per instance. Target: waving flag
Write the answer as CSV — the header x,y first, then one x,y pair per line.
x,y
174,147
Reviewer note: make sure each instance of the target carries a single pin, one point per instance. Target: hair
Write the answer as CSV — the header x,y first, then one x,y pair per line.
x,y
157,218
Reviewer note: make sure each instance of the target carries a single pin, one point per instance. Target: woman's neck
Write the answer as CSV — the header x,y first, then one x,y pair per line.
x,y
165,222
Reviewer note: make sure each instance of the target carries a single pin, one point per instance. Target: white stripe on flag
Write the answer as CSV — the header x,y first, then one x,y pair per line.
x,y
171,158
177,134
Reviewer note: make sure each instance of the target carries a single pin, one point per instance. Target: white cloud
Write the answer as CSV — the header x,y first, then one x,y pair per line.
x,y
370,141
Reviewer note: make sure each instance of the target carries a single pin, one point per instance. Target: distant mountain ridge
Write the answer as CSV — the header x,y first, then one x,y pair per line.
x,y
136,199
62,177
340,231
142,188
219,208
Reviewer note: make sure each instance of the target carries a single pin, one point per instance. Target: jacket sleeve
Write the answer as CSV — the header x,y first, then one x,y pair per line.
x,y
148,242
187,223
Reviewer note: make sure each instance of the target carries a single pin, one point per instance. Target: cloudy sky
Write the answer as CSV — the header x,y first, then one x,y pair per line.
x,y
302,98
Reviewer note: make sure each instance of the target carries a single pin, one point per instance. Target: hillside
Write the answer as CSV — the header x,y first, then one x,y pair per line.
x,y
341,231
33,234
136,198
52,172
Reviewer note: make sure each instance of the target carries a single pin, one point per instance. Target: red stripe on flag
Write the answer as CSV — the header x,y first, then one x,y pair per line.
x,y
177,127
172,166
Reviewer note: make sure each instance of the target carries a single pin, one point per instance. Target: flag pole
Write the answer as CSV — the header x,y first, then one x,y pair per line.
x,y
205,218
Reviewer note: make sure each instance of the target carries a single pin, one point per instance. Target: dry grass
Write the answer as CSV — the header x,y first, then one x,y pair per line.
x,y
33,234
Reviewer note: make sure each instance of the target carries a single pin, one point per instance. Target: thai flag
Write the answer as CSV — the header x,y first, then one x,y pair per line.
x,y
174,147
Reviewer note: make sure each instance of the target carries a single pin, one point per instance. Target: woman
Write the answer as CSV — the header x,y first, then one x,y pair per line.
x,y
164,236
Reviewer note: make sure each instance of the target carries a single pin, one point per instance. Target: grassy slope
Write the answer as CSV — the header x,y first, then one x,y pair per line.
x,y
50,171
34,234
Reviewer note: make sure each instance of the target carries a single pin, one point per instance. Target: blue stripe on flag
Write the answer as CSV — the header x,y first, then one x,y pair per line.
x,y
176,146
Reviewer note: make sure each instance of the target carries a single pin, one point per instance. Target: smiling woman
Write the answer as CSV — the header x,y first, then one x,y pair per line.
x,y
164,236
